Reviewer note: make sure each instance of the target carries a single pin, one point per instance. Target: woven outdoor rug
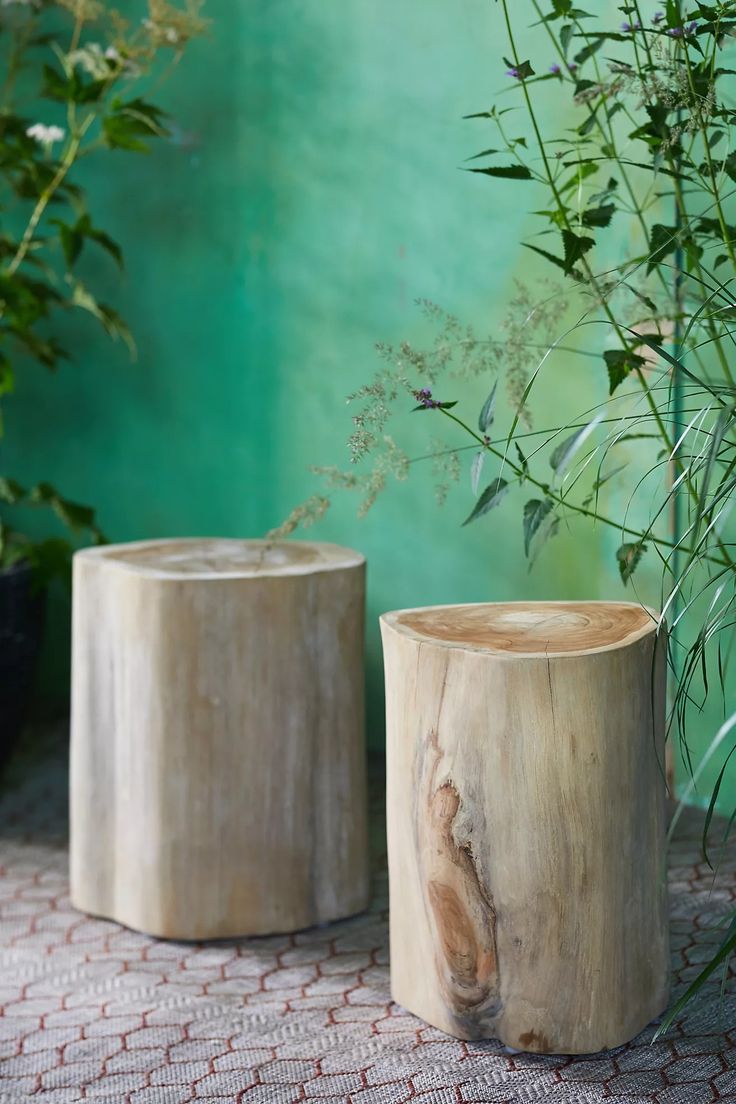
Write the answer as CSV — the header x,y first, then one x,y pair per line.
x,y
92,1011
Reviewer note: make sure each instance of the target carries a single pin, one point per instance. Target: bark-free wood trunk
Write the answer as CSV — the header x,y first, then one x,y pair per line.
x,y
526,821
218,760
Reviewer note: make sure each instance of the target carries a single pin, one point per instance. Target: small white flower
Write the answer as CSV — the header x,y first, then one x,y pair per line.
x,y
171,35
46,135
113,54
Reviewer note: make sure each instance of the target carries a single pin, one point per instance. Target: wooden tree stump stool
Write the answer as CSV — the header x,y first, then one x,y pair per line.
x,y
218,760
526,821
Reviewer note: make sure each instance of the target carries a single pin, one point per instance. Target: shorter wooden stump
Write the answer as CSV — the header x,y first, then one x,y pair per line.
x,y
526,818
218,759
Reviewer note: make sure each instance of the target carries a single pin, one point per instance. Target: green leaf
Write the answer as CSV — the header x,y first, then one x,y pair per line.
x,y
629,556
10,491
71,241
575,247
551,258
587,125
120,133
485,419
535,511
483,153
70,89
589,50
55,84
522,461
599,216
492,495
130,122
655,168
72,514
583,169
663,240
7,375
619,363
435,406
523,68
113,324
85,229
565,36
51,559
508,172
565,451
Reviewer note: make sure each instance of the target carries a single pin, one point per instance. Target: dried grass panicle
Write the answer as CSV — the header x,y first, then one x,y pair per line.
x,y
445,469
304,515
171,26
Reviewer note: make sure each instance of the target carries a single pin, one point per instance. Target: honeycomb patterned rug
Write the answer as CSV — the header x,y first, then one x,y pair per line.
x,y
92,1011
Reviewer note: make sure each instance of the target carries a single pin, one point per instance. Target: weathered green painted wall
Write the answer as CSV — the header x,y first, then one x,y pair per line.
x,y
311,195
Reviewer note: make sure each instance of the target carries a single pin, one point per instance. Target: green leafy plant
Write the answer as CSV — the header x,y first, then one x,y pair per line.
x,y
77,77
645,161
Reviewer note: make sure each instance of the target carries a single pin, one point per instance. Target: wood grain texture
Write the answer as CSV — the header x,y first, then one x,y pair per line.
x,y
218,760
526,821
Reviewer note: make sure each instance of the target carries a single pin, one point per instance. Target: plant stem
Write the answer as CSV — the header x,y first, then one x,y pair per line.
x,y
664,433
560,500
47,194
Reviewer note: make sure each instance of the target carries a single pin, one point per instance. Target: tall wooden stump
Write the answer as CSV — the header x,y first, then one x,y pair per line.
x,y
526,821
218,760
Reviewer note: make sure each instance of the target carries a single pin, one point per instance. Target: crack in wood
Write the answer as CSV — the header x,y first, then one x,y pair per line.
x,y
460,907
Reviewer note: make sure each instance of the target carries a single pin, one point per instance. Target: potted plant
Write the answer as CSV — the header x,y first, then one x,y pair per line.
x,y
76,80
645,155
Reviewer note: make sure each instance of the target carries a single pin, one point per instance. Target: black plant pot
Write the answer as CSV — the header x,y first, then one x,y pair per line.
x,y
22,609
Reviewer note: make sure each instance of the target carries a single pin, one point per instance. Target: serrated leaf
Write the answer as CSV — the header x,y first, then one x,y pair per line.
x,y
130,122
629,556
599,216
488,410
557,261
662,241
535,511
492,495
508,172
575,247
476,470
619,363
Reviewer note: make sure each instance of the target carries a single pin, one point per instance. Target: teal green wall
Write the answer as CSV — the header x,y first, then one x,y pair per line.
x,y
311,194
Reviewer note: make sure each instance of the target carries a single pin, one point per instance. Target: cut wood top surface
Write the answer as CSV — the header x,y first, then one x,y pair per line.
x,y
533,629
210,558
